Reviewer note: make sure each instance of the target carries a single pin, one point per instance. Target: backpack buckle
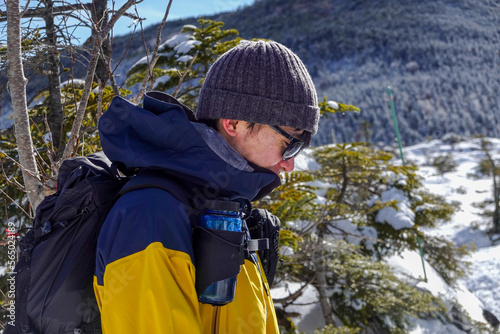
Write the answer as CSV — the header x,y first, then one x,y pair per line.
x,y
46,228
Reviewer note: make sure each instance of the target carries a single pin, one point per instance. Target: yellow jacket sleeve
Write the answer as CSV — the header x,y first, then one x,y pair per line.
x,y
138,290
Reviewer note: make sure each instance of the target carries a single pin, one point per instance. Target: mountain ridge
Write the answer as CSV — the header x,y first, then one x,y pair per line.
x,y
440,58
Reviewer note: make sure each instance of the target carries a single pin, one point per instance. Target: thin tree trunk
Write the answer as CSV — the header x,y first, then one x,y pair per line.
x,y
320,282
102,72
94,57
17,84
324,299
56,113
496,194
100,18
496,189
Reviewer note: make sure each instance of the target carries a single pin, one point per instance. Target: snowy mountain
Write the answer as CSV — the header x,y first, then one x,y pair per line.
x,y
464,184
439,56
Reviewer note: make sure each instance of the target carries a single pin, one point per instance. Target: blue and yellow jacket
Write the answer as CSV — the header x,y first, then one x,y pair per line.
x,y
145,270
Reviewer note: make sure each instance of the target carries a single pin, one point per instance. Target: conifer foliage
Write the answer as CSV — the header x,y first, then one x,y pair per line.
x,y
343,220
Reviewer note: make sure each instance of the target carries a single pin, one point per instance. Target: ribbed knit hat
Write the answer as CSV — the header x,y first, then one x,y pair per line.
x,y
260,82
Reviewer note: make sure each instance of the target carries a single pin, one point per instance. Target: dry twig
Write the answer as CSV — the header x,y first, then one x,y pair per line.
x,y
154,58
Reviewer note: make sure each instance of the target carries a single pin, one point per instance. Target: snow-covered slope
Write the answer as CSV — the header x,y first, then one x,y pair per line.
x,y
467,226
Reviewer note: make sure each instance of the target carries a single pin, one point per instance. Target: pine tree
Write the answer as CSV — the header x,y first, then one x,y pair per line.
x,y
490,166
337,239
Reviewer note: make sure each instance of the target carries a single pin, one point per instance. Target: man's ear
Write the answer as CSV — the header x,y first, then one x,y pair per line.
x,y
228,126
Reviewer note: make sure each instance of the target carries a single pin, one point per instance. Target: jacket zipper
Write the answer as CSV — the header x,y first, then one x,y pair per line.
x,y
215,317
263,280
215,320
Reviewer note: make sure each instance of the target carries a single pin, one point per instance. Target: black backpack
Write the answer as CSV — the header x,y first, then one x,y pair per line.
x,y
57,256
263,225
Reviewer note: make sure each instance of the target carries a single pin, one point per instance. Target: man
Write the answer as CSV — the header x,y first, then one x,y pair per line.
x,y
257,110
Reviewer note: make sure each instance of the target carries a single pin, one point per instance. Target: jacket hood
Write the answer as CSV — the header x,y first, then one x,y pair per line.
x,y
161,136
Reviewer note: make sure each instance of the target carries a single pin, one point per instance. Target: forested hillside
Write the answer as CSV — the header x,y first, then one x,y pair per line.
x,y
440,57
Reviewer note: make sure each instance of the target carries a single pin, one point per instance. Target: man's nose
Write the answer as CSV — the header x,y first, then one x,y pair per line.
x,y
287,165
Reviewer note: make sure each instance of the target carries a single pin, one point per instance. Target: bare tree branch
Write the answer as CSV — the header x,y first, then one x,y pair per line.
x,y
292,297
99,100
13,181
154,57
97,40
15,202
50,145
112,77
181,80
57,10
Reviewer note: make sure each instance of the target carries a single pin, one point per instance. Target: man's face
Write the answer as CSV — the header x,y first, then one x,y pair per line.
x,y
261,144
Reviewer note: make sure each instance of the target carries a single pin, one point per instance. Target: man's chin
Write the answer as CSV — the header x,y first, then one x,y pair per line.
x,y
276,170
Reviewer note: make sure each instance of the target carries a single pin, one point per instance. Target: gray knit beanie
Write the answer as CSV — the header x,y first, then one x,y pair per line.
x,y
260,82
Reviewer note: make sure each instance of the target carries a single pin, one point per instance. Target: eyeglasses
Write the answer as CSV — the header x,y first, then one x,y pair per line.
x,y
293,148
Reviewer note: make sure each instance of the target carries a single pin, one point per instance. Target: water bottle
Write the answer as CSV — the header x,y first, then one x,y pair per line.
x,y
221,215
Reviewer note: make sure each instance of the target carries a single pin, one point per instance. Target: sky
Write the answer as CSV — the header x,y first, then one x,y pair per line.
x,y
154,10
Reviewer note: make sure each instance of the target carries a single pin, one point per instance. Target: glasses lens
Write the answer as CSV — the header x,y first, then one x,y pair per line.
x,y
292,150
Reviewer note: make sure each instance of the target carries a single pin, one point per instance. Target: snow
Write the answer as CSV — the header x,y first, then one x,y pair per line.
x,y
181,43
480,290
484,278
175,40
309,310
186,46
185,58
143,60
47,137
162,79
409,264
333,104
402,217
74,81
433,327
304,161
190,26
